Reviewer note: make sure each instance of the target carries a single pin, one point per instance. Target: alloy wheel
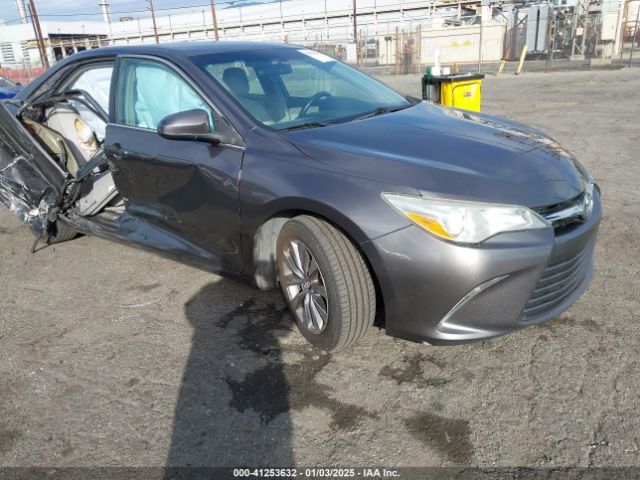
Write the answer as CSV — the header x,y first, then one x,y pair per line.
x,y
304,287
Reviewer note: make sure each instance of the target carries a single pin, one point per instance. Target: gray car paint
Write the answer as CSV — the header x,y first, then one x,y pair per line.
x,y
444,152
339,172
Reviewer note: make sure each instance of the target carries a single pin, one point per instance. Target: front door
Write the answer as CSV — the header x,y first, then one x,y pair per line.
x,y
30,181
189,189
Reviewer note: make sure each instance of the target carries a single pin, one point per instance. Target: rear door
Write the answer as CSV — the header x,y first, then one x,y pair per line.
x,y
187,188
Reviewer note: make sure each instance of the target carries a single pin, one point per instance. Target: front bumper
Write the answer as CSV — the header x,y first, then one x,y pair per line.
x,y
441,293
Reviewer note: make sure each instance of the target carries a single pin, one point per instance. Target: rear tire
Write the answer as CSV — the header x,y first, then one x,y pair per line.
x,y
325,282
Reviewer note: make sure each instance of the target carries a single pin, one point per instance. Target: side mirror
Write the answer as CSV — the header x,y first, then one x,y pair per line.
x,y
188,125
18,84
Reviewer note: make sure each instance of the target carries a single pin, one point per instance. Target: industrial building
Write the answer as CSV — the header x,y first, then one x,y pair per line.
x,y
18,46
384,32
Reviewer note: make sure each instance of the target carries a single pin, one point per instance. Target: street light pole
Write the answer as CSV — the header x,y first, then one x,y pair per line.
x,y
326,21
281,23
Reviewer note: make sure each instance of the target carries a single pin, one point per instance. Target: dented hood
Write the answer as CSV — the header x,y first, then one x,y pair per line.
x,y
452,153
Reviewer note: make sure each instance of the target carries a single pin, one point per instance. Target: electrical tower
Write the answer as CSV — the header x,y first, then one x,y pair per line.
x,y
580,28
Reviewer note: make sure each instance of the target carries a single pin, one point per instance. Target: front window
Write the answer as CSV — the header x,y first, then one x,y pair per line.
x,y
287,87
148,91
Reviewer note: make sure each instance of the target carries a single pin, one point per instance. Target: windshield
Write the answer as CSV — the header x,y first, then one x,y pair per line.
x,y
4,83
288,88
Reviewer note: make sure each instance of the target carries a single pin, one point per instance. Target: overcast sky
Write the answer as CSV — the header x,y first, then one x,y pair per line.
x,y
89,9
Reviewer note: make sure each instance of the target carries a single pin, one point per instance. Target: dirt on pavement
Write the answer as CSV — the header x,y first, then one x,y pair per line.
x,y
113,356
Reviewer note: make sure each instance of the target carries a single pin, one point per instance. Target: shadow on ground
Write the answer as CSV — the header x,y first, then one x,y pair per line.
x,y
240,387
237,390
225,352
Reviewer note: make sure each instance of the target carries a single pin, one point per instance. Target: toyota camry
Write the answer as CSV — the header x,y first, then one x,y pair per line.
x,y
285,168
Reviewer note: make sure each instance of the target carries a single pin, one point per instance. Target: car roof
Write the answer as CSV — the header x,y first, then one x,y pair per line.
x,y
187,49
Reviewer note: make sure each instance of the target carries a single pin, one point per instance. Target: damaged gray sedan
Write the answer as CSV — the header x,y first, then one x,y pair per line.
x,y
280,166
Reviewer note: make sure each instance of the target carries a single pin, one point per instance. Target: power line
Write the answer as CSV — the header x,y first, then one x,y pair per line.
x,y
406,4
129,12
177,8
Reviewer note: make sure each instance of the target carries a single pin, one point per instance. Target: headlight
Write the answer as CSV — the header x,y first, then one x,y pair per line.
x,y
464,222
587,200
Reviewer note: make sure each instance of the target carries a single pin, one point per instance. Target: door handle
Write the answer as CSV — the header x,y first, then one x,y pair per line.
x,y
116,151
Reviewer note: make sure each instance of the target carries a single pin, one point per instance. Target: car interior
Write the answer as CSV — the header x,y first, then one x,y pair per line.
x,y
281,94
70,126
70,123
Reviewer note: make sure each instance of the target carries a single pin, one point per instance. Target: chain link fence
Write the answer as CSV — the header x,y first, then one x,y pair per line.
x,y
508,39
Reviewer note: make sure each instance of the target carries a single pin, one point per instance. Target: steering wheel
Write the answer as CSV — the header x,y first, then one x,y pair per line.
x,y
312,101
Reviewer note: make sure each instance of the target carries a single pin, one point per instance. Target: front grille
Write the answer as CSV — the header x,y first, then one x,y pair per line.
x,y
558,281
566,215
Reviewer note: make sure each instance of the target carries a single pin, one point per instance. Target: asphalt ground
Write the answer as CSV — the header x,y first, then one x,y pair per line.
x,y
111,356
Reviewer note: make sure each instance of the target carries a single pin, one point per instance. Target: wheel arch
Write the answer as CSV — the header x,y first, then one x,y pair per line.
x,y
266,236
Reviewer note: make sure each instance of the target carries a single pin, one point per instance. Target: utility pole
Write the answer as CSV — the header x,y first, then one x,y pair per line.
x,y
355,31
153,19
215,20
38,32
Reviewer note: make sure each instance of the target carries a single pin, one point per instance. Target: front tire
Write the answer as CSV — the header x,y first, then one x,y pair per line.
x,y
325,282
62,234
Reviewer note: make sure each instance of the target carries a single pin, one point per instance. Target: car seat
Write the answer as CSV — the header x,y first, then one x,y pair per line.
x,y
237,82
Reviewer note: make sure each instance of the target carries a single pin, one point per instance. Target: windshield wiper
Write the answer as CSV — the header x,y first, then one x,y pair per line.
x,y
305,125
382,110
376,112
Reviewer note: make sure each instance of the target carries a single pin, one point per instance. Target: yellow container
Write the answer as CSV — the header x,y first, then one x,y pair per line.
x,y
460,91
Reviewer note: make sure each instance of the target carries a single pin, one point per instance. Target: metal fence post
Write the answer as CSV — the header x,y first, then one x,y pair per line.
x,y
550,41
398,50
635,33
418,49
480,46
624,29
